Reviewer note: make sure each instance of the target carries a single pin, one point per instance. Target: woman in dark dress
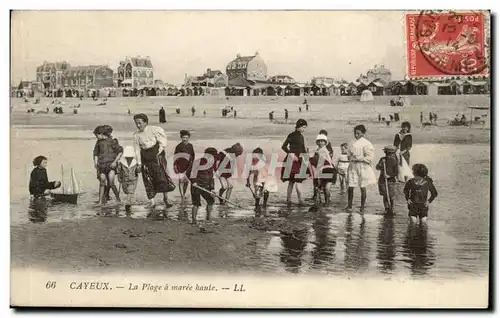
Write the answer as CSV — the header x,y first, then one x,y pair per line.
x,y
162,117
294,146
403,141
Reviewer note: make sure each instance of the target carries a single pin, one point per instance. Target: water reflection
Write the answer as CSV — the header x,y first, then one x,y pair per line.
x,y
356,251
293,249
37,210
418,250
386,247
324,251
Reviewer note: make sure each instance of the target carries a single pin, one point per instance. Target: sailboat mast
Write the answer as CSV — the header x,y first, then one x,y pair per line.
x,y
62,178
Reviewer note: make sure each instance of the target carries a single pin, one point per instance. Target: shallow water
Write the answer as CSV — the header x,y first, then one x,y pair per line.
x,y
456,240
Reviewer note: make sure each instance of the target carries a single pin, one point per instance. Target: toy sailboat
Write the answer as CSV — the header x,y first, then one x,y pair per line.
x,y
71,194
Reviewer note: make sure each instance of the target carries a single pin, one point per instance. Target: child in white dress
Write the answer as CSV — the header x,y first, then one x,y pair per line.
x,y
360,172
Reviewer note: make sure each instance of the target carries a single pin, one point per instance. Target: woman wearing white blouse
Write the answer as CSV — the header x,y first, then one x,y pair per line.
x,y
149,144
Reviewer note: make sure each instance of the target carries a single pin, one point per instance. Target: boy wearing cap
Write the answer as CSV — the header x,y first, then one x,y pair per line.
x,y
324,169
128,173
388,167
201,174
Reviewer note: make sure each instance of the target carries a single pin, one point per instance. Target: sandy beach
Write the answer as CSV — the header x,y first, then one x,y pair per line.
x,y
292,240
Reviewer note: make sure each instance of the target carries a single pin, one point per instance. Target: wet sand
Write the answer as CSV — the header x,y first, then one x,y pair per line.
x,y
294,242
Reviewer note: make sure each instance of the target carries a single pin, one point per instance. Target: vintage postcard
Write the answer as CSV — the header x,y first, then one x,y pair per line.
x,y
250,159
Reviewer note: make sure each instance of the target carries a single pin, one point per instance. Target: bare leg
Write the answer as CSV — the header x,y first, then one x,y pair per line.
x,y
363,199
386,203
350,197
185,187
165,200
299,194
209,212
266,197
111,184
102,188
182,191
413,219
194,215
289,192
326,192
423,221
223,183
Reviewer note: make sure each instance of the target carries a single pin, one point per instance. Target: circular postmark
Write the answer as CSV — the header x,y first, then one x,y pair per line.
x,y
452,43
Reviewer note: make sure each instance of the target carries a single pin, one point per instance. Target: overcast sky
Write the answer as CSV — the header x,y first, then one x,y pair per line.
x,y
300,44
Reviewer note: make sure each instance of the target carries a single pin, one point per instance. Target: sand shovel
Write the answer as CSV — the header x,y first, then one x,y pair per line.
x,y
217,196
386,185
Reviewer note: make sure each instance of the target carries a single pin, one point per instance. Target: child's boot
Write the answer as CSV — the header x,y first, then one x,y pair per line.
x,y
128,209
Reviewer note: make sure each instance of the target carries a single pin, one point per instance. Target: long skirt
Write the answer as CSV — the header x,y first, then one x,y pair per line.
x,y
154,174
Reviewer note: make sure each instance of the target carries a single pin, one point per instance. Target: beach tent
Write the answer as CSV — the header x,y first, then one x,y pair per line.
x,y
366,96
472,108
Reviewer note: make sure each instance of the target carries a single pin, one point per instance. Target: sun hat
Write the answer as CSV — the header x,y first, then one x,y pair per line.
x,y
321,137
128,151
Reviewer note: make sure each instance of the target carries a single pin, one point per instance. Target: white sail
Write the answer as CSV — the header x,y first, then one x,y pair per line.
x,y
75,187
62,178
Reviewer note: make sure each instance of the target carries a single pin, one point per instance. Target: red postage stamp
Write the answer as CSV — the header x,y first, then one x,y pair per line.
x,y
448,43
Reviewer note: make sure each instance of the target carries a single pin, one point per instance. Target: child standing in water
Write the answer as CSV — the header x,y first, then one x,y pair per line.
x,y
295,149
128,173
342,165
360,172
416,192
39,187
225,166
201,173
324,169
388,167
259,179
184,157
107,153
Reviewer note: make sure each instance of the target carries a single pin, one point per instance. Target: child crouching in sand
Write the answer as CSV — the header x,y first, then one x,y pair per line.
x,y
388,167
416,192
128,173
260,180
201,174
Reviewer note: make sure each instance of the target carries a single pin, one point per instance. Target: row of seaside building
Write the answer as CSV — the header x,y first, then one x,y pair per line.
x,y
244,76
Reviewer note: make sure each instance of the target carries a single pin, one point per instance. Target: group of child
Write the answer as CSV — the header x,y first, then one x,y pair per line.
x,y
352,168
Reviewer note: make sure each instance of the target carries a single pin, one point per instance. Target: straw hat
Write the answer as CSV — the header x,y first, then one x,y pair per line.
x,y
322,137
128,151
